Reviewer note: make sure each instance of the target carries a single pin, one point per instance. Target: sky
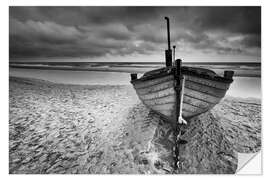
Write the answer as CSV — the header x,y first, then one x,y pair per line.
x,y
208,34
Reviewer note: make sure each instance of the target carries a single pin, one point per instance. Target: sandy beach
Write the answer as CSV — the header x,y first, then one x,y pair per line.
x,y
97,129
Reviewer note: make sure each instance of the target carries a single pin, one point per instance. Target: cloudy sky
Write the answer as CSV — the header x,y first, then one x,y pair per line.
x,y
134,33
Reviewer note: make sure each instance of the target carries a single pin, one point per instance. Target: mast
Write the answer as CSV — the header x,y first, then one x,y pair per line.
x,y
168,32
168,52
174,54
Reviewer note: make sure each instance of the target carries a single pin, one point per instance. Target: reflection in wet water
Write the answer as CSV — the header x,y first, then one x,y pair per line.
x,y
245,87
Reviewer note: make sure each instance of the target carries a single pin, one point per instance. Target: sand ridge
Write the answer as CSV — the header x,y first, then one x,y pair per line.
x,y
58,128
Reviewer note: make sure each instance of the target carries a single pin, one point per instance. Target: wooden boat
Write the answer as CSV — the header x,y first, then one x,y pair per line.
x,y
199,91
202,90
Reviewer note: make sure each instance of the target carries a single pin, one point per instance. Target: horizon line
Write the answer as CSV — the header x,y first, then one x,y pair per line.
x,y
128,62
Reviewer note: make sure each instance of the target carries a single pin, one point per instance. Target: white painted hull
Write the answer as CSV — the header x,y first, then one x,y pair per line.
x,y
200,94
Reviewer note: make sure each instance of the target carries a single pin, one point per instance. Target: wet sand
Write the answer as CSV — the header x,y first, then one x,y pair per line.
x,y
58,128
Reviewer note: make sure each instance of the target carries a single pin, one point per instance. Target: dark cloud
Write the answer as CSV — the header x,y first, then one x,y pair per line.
x,y
233,19
97,31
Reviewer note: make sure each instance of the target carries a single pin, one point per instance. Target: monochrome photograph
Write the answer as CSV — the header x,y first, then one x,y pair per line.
x,y
134,89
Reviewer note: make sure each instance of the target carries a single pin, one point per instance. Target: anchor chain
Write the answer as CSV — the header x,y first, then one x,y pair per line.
x,y
178,142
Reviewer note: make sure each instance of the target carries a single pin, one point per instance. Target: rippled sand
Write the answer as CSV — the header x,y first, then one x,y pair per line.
x,y
57,128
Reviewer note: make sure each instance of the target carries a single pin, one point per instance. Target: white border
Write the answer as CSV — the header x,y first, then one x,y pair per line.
x,y
4,69
136,2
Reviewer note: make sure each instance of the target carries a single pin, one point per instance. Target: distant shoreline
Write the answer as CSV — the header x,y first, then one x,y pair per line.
x,y
160,63
238,72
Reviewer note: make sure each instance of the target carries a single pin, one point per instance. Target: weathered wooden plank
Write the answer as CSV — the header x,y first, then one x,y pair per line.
x,y
191,108
155,88
201,96
159,94
149,83
167,113
167,106
162,100
205,89
196,102
208,82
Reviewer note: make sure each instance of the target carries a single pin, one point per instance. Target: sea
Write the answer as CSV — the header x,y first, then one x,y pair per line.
x,y
246,84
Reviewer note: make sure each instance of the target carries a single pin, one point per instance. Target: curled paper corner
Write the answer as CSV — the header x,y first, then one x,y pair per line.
x,y
249,163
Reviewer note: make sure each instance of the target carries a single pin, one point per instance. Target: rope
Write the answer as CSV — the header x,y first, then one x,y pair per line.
x,y
177,132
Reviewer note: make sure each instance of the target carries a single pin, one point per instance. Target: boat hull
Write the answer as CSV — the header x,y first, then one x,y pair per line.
x,y
200,93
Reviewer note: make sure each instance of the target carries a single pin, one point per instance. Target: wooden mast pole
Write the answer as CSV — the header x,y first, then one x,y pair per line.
x,y
168,32
168,52
174,54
